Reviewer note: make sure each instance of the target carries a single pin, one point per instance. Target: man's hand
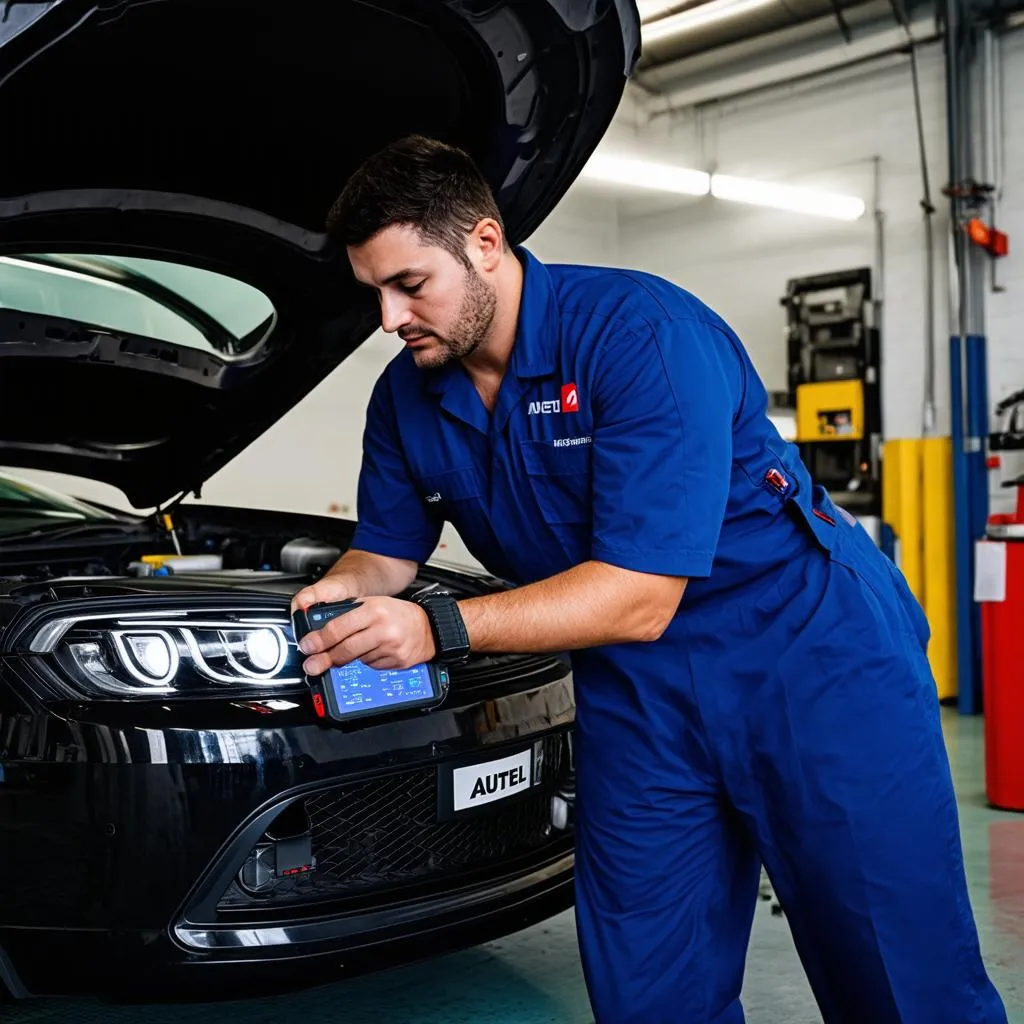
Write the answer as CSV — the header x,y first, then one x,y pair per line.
x,y
383,632
357,574
325,591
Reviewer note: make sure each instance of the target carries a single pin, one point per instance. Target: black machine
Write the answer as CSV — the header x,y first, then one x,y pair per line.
x,y
356,690
1008,442
834,353
1010,436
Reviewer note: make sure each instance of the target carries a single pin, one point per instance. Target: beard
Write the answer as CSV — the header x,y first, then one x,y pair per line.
x,y
468,329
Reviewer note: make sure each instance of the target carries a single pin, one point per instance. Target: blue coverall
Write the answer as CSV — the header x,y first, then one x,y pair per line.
x,y
787,715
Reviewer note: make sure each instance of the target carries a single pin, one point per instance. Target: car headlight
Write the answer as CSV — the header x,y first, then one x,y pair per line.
x,y
186,653
151,658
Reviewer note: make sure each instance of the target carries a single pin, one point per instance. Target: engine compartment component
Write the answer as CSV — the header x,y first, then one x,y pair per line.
x,y
167,565
309,556
208,543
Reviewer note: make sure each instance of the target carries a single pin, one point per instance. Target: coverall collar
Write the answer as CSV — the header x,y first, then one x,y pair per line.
x,y
533,353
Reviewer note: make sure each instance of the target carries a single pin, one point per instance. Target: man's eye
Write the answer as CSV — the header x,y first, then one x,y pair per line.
x,y
412,289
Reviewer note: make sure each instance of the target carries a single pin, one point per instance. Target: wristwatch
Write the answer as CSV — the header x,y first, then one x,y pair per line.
x,y
450,636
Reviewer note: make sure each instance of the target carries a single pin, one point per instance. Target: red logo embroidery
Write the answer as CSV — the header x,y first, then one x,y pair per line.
x,y
570,398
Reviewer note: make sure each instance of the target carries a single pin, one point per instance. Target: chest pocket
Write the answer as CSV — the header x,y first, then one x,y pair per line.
x,y
560,478
455,495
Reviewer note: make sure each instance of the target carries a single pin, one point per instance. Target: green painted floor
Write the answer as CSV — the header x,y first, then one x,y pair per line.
x,y
534,977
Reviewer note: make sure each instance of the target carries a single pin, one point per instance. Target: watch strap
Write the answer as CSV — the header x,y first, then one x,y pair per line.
x,y
450,636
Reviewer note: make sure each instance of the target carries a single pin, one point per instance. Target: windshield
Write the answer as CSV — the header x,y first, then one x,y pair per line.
x,y
24,505
167,301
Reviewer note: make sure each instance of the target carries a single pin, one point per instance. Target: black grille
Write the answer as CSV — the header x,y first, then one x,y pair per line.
x,y
375,835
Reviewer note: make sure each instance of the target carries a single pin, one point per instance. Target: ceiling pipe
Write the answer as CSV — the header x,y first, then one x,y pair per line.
x,y
697,28
667,10
885,43
731,59
814,34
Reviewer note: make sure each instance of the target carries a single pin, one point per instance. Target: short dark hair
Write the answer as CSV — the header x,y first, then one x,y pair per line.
x,y
432,186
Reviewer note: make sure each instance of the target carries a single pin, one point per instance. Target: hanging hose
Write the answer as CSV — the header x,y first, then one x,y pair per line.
x,y
928,411
928,208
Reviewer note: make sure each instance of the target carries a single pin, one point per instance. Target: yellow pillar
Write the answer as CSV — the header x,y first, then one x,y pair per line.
x,y
940,557
901,507
917,487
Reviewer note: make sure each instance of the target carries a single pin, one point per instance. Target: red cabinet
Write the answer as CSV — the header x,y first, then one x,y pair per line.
x,y
1002,635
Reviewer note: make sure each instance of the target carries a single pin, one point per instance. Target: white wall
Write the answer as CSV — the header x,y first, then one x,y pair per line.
x,y
823,134
828,133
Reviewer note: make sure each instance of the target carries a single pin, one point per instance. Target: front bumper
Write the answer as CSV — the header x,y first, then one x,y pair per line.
x,y
150,965
125,832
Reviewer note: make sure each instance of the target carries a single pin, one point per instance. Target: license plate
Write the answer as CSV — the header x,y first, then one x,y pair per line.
x,y
465,788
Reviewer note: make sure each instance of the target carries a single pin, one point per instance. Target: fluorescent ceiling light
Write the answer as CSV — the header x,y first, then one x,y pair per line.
x,y
696,17
685,181
642,174
786,197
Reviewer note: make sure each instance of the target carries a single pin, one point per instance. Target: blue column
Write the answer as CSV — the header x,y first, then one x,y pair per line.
x,y
968,381
965,647
977,494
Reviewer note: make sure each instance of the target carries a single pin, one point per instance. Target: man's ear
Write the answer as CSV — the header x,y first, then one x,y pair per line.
x,y
488,241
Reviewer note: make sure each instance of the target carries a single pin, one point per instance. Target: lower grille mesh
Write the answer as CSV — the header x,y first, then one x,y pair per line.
x,y
374,835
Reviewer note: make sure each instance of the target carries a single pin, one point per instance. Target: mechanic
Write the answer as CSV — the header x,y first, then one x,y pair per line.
x,y
751,674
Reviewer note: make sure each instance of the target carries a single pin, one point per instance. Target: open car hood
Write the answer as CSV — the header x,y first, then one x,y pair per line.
x,y
150,139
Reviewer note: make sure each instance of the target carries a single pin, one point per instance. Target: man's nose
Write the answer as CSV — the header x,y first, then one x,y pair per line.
x,y
394,313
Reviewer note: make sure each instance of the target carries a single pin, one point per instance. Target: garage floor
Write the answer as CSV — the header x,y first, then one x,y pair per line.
x,y
535,977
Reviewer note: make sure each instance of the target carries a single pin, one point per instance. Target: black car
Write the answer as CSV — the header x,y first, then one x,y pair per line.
x,y
173,813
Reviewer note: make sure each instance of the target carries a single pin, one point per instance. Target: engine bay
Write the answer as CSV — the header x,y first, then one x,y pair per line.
x,y
206,541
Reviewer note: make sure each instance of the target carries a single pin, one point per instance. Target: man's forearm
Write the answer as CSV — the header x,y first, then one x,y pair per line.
x,y
589,605
369,575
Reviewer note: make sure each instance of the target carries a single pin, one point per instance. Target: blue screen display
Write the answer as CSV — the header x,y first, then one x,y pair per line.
x,y
357,687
